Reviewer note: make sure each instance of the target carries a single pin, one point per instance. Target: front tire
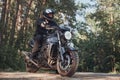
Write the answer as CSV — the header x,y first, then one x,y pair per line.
x,y
70,64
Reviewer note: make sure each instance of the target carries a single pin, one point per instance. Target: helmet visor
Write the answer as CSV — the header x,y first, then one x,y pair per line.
x,y
51,15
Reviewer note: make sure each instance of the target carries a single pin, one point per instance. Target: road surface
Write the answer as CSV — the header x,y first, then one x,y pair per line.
x,y
53,76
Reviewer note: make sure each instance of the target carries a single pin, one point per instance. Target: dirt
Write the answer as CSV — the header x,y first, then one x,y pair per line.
x,y
53,76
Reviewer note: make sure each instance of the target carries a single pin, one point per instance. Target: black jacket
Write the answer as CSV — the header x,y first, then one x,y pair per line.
x,y
41,30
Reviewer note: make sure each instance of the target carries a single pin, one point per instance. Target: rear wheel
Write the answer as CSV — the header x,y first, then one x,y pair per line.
x,y
70,64
31,68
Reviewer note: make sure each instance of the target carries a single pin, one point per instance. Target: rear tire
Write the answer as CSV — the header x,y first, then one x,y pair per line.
x,y
71,66
31,68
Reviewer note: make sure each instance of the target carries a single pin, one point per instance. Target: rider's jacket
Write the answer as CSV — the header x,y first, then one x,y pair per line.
x,y
41,23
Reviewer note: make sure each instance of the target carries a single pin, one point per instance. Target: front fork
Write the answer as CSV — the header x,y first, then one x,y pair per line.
x,y
61,49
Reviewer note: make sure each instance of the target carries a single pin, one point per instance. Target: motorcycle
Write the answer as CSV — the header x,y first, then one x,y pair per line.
x,y
57,53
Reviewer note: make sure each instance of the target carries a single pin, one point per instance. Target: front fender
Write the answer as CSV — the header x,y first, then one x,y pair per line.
x,y
72,48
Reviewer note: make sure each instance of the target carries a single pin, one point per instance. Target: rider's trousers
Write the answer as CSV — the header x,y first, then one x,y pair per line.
x,y
35,47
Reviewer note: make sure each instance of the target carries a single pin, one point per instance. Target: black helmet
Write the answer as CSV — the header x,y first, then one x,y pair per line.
x,y
48,14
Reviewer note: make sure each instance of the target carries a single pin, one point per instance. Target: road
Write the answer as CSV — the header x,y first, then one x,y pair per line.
x,y
53,76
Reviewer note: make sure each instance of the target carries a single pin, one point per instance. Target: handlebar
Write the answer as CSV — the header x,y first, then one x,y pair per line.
x,y
52,28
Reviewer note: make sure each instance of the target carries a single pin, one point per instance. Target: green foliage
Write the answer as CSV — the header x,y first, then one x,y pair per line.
x,y
99,52
10,59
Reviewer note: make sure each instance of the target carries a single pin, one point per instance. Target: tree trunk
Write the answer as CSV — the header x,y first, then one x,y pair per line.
x,y
2,21
6,33
14,25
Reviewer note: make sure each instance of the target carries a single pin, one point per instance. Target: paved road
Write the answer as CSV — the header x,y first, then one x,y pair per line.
x,y
53,76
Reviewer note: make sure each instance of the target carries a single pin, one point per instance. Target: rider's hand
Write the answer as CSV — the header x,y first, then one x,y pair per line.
x,y
44,23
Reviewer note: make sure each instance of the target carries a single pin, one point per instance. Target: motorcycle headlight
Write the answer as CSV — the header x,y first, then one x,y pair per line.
x,y
68,35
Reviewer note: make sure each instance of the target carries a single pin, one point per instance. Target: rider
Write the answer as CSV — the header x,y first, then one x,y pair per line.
x,y
42,23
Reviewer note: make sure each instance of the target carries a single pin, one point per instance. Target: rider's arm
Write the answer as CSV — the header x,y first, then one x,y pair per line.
x,y
41,22
44,23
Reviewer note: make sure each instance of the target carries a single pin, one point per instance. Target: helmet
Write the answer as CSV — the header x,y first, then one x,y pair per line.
x,y
48,14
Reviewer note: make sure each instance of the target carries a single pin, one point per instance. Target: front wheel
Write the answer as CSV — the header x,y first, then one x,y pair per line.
x,y
70,64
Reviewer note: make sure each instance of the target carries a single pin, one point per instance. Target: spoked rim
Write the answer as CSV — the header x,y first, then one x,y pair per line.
x,y
66,64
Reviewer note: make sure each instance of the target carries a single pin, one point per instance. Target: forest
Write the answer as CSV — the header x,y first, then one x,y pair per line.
x,y
98,39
